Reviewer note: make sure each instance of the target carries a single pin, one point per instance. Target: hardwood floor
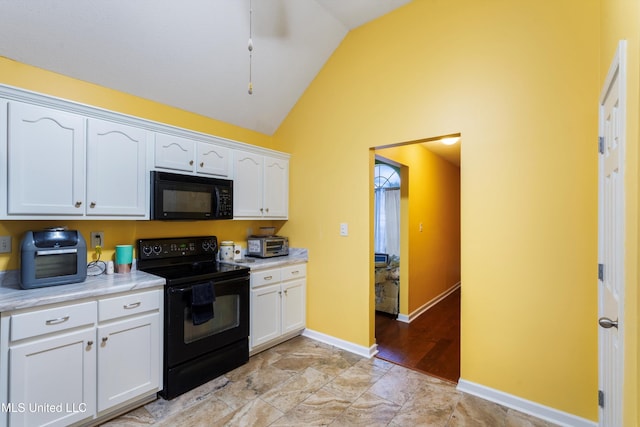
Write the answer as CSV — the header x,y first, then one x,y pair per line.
x,y
429,344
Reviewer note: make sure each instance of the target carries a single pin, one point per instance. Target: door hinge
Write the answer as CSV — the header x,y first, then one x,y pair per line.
x,y
601,144
600,272
601,398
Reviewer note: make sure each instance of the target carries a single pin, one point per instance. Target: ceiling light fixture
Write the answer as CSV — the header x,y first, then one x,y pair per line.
x,y
450,141
250,46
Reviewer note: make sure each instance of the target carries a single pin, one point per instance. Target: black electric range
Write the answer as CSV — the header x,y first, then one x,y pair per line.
x,y
206,310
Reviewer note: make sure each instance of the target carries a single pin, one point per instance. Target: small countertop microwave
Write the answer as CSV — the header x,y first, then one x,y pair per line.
x,y
187,197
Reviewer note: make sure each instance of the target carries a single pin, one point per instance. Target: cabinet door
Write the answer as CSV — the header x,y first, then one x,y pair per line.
x,y
46,161
129,358
213,160
265,314
276,188
116,169
174,152
54,379
294,305
247,184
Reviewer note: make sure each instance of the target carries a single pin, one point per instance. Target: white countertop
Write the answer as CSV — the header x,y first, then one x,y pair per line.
x,y
296,256
13,297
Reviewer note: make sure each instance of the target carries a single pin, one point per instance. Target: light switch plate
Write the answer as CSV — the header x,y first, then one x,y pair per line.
x,y
5,244
344,229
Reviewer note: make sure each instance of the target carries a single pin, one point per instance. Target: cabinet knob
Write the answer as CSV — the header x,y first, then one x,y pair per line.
x,y
267,210
190,162
89,343
92,205
78,204
104,340
201,164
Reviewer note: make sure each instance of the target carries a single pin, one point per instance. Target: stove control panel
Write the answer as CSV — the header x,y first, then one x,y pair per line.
x,y
177,247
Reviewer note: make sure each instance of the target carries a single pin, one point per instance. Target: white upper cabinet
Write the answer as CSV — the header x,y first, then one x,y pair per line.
x,y
247,185
116,169
46,161
184,154
214,160
261,186
62,164
174,152
276,187
62,160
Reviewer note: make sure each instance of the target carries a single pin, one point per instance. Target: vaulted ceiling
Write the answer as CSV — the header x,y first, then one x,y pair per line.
x,y
190,54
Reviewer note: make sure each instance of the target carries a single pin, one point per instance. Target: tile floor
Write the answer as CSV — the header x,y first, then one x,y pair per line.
x,y
303,382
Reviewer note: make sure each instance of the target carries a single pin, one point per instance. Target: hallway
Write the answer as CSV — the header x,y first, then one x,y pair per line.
x,y
429,344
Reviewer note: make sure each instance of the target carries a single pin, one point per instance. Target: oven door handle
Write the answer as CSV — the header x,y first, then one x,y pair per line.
x,y
179,290
57,251
217,284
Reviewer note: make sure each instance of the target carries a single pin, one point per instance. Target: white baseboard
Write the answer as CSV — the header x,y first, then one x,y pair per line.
x,y
412,316
342,344
526,406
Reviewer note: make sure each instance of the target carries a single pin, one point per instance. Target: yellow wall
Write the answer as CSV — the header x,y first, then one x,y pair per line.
x,y
434,201
621,21
123,232
519,80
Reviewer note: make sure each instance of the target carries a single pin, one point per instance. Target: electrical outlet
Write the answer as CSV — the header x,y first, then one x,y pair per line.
x,y
5,244
97,239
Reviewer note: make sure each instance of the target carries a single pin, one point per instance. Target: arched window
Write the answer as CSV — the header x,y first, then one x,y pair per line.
x,y
386,176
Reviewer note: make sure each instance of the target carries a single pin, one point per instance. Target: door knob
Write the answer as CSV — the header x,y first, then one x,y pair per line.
x,y
607,323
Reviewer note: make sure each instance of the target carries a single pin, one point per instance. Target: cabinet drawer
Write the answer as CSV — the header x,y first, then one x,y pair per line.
x,y
295,271
126,305
25,325
265,277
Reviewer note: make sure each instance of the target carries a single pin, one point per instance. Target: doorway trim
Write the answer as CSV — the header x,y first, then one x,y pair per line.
x,y
611,241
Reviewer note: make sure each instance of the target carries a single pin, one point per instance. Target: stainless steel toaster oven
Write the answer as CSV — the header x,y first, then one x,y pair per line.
x,y
267,246
54,256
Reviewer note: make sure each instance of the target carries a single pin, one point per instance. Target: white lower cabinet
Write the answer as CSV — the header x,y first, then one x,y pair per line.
x,y
52,380
78,362
278,305
128,362
266,314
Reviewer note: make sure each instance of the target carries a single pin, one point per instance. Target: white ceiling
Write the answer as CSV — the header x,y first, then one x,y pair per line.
x,y
450,153
190,54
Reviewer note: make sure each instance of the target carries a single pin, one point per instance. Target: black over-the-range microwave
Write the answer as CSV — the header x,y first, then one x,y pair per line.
x,y
187,197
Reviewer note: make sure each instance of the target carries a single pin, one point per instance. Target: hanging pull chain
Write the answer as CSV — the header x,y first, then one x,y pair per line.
x,y
250,46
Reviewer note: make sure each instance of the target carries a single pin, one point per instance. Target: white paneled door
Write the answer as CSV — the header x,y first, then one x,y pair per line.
x,y
611,201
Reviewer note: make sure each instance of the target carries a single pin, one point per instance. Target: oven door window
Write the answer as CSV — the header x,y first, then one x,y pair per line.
x,y
226,316
56,265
